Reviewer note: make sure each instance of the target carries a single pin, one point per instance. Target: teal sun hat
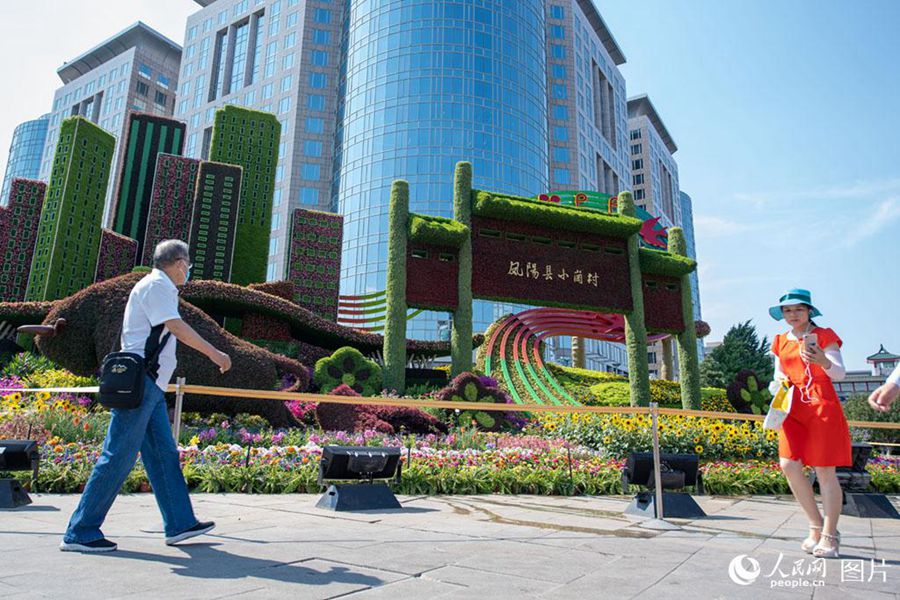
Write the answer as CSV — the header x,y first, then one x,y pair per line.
x,y
793,297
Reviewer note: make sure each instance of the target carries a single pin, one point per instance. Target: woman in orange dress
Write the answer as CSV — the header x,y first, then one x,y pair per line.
x,y
815,432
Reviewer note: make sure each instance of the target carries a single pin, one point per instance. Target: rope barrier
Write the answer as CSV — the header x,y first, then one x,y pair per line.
x,y
202,390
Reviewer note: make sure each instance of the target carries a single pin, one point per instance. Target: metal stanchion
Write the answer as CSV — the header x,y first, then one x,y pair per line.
x,y
179,406
659,522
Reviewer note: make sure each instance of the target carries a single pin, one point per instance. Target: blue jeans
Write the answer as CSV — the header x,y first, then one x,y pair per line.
x,y
147,429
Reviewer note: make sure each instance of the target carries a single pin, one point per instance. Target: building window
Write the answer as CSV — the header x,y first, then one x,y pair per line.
x,y
309,195
289,40
273,246
291,20
315,102
162,81
558,51
321,36
651,357
558,32
639,194
558,71
314,125
604,105
286,83
317,80
144,71
559,91
637,179
637,164
561,176
320,58
322,16
560,112
270,272
560,133
287,62
310,172
635,134
557,12
142,88
160,98
637,148
284,105
267,91
276,221
312,148
561,155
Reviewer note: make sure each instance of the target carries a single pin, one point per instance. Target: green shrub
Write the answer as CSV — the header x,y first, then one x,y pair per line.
x,y
857,408
26,363
348,366
666,393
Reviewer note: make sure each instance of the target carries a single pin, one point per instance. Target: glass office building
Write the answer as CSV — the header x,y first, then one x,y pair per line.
x,y
25,154
427,84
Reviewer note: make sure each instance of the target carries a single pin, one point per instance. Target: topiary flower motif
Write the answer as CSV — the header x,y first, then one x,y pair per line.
x,y
468,387
347,366
746,394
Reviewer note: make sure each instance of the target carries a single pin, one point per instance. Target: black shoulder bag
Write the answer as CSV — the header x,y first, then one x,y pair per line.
x,y
122,373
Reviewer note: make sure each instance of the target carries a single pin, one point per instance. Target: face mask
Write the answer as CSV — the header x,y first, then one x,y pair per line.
x,y
187,275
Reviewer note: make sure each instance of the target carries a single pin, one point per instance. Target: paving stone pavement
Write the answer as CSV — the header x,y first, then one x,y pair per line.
x,y
447,547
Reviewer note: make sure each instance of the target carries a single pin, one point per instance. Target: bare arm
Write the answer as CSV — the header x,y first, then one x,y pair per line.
x,y
186,335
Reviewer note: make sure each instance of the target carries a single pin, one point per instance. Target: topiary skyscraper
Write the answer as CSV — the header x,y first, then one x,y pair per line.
x,y
68,238
249,138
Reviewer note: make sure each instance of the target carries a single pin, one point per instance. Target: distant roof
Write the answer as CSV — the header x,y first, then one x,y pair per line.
x,y
204,3
137,34
882,354
599,25
641,106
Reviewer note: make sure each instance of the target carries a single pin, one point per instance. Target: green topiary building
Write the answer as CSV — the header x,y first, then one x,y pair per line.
x,y
68,238
18,231
249,138
212,233
147,136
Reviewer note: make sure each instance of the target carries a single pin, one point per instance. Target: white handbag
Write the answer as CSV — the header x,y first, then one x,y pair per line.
x,y
782,395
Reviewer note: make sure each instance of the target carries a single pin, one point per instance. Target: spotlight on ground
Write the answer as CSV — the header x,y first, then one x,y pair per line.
x,y
676,472
855,484
360,464
17,455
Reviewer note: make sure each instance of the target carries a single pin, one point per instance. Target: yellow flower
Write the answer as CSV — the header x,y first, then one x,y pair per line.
x,y
698,449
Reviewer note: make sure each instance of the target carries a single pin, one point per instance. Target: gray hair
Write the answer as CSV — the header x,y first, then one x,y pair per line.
x,y
168,252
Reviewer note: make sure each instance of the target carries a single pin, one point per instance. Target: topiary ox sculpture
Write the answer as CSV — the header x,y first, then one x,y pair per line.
x,y
81,329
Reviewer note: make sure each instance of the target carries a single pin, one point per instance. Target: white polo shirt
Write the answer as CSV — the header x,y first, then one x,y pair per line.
x,y
153,300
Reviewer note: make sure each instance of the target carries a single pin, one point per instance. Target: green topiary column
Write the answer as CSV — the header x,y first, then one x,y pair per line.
x,y
461,336
687,341
395,310
635,329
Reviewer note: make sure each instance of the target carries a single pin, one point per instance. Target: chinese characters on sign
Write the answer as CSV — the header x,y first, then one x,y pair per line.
x,y
533,271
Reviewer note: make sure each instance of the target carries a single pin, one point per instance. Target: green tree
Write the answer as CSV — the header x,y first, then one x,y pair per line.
x,y
741,349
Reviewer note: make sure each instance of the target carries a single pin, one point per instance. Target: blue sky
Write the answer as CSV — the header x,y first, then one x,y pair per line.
x,y
786,115
787,120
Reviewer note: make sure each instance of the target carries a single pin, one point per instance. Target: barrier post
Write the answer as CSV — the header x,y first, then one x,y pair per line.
x,y
657,475
659,522
179,406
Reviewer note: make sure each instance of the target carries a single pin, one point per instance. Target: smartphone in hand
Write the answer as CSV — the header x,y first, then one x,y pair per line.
x,y
810,340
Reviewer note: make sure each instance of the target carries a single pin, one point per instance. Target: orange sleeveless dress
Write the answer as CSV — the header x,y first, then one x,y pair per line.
x,y
815,432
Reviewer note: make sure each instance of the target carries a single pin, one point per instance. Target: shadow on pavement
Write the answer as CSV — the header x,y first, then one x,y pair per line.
x,y
206,561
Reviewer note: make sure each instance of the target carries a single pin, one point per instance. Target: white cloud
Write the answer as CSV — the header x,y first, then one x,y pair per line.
x,y
887,212
706,226
856,190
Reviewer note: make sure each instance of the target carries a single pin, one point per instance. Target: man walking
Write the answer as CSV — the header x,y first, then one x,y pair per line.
x,y
153,301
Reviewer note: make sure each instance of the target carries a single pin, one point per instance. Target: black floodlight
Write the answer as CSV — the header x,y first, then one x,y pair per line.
x,y
17,455
677,471
855,482
362,464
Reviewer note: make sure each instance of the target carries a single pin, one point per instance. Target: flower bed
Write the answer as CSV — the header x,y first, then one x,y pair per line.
x,y
550,470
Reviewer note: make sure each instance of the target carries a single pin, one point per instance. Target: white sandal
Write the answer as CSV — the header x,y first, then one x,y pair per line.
x,y
821,551
809,544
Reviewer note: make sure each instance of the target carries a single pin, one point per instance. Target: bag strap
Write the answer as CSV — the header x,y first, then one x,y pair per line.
x,y
153,348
